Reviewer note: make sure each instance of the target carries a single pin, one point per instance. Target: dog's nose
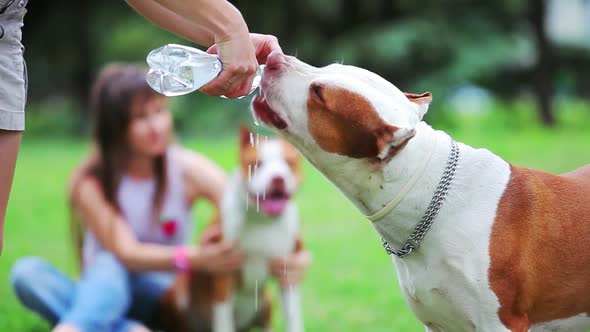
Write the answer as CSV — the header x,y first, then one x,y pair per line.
x,y
275,60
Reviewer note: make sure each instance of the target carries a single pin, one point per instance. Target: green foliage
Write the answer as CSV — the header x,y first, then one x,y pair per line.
x,y
436,46
57,117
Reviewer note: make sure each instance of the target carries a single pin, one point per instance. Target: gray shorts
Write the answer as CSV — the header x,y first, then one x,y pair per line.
x,y
13,72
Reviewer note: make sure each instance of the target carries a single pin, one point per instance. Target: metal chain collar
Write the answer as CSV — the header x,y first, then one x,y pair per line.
x,y
434,207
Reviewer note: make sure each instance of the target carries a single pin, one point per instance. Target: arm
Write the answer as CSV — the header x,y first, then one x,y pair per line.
x,y
204,179
214,21
114,234
219,17
173,22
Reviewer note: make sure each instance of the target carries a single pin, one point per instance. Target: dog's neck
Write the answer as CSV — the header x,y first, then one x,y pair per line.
x,y
372,187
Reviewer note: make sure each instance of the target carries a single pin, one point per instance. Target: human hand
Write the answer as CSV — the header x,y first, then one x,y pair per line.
x,y
211,233
217,257
289,270
240,55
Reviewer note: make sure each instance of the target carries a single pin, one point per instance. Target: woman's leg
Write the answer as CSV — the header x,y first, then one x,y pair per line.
x,y
9,145
148,289
42,288
102,298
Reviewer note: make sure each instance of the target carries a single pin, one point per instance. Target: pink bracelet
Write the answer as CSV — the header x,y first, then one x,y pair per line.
x,y
181,261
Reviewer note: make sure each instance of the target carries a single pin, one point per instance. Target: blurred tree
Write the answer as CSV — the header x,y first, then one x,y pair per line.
x,y
544,71
437,45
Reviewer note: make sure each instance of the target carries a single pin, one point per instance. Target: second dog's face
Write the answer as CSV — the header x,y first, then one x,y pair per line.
x,y
271,169
338,110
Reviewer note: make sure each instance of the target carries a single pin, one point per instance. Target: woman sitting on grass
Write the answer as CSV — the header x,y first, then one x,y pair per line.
x,y
134,198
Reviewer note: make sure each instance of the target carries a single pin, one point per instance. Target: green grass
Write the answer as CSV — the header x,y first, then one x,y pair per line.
x,y
351,285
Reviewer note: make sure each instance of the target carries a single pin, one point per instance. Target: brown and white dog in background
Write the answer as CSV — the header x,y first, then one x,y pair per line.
x,y
257,213
508,250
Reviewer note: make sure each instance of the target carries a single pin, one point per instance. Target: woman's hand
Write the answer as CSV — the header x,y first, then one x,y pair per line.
x,y
289,270
240,54
215,255
218,257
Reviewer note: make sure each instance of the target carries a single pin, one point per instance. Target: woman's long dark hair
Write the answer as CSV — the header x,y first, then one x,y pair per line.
x,y
118,88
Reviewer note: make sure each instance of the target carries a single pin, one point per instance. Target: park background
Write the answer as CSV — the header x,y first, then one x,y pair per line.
x,y
512,76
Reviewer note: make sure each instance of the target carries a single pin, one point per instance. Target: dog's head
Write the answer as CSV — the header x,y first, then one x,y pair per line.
x,y
343,110
271,169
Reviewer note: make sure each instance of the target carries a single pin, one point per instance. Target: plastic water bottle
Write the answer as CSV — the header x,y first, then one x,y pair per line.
x,y
177,69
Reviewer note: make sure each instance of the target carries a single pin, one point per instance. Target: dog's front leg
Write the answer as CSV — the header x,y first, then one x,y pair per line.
x,y
223,312
291,304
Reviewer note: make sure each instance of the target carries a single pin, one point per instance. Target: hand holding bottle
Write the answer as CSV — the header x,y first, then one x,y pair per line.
x,y
239,66
177,70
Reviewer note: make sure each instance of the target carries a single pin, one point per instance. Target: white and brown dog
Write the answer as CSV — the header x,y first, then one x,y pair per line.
x,y
258,213
506,251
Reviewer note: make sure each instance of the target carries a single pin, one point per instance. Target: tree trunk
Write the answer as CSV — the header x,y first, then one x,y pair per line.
x,y
544,71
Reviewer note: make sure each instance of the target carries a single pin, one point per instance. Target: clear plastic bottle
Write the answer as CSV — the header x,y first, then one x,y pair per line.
x,y
177,69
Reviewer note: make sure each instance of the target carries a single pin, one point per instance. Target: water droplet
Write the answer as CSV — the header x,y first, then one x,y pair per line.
x,y
285,265
255,119
257,202
249,172
256,295
257,140
251,139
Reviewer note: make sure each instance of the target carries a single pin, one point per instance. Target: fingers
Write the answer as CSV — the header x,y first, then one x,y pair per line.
x,y
212,234
239,67
223,247
290,279
229,262
291,269
234,81
244,89
265,45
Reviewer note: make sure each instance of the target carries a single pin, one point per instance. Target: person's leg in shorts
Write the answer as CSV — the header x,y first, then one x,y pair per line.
x,y
9,145
13,90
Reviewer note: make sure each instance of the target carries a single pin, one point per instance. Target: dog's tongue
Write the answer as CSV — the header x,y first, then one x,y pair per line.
x,y
273,206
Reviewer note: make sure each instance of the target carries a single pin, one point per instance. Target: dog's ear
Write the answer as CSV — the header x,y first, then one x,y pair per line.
x,y
346,123
244,135
421,101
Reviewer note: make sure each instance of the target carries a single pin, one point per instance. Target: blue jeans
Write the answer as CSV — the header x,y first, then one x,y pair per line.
x,y
108,298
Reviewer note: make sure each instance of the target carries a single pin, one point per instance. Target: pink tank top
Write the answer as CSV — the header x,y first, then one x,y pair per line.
x,y
135,197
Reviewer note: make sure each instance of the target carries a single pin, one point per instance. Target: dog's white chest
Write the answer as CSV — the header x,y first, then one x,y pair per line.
x,y
262,241
439,295
269,238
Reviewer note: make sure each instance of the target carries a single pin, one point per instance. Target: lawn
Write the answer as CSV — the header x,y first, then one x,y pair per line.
x,y
351,286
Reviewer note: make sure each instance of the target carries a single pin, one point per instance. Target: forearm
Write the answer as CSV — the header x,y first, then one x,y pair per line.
x,y
150,257
219,17
168,20
145,257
